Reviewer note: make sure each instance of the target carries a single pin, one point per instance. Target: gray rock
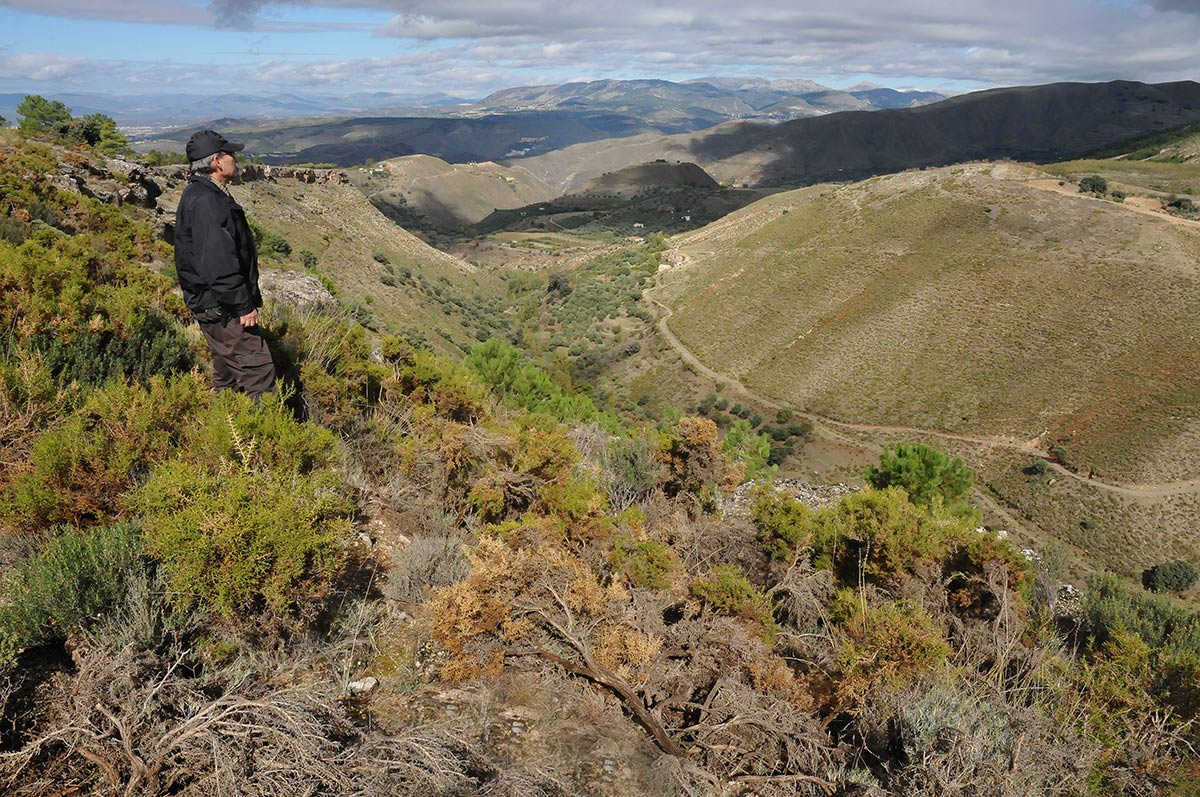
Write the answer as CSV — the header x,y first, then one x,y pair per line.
x,y
365,686
294,289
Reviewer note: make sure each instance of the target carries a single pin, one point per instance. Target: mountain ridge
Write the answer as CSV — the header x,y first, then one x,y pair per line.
x,y
1046,123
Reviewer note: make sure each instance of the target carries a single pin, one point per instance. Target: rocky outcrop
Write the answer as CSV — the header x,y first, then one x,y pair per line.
x,y
814,496
113,181
295,289
252,172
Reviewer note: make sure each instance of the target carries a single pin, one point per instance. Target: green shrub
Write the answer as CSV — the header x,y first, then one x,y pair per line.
x,y
80,468
784,524
727,591
78,579
454,392
925,473
740,444
249,512
236,540
643,563
1094,184
880,536
268,243
88,302
890,643
1170,577
1168,627
339,378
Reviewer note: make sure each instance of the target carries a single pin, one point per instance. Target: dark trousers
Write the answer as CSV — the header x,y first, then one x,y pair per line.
x,y
240,358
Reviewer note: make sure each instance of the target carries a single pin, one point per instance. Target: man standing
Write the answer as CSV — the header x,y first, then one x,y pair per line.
x,y
217,265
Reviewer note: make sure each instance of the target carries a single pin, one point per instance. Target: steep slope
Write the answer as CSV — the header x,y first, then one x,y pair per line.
x,y
409,286
448,195
1038,123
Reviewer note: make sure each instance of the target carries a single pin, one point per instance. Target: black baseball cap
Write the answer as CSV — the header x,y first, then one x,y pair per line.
x,y
206,143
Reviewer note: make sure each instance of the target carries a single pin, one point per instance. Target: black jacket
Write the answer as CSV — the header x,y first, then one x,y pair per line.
x,y
215,256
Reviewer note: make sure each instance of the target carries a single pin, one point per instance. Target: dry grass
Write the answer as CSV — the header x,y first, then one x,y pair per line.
x,y
952,299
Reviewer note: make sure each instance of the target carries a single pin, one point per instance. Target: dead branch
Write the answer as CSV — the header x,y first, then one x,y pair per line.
x,y
629,699
759,780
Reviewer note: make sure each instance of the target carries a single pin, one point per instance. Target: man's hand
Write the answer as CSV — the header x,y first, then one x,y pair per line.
x,y
250,319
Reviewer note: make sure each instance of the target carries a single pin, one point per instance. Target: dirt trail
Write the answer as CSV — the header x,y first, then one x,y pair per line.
x,y
831,425
1143,205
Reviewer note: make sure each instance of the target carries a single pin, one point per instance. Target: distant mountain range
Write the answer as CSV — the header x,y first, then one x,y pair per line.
x,y
672,107
696,102
167,110
532,120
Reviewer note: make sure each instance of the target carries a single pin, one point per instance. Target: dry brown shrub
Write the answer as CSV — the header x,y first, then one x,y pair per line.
x,y
704,543
126,725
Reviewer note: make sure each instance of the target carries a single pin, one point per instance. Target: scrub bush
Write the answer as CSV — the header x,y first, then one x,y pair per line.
x,y
238,541
784,524
76,580
643,563
1170,577
80,468
251,513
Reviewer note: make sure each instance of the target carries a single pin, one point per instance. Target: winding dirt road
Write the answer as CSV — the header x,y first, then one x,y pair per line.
x,y
831,425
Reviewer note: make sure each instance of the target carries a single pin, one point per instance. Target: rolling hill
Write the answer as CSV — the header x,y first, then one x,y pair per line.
x,y
426,192
973,301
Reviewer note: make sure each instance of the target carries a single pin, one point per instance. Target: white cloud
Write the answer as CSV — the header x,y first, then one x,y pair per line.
x,y
482,45
156,12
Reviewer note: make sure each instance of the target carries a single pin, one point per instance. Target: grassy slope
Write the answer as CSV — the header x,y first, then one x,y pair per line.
x,y
1139,176
962,299
344,231
452,194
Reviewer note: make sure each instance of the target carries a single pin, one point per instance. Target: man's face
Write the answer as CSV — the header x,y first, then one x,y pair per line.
x,y
224,166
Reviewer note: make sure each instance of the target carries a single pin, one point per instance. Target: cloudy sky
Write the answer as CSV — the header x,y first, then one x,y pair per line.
x,y
469,48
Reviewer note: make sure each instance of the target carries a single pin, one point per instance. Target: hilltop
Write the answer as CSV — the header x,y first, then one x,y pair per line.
x,y
426,193
656,174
